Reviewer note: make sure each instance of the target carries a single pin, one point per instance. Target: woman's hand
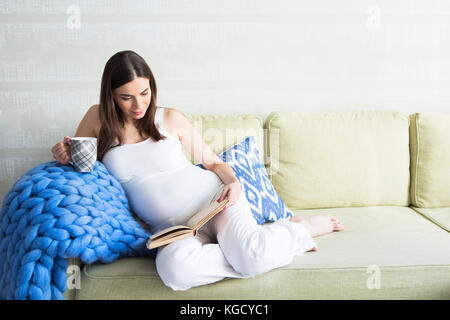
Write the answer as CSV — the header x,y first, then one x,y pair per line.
x,y
61,151
232,192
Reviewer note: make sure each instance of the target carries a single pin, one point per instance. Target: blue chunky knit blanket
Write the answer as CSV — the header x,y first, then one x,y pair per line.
x,y
53,213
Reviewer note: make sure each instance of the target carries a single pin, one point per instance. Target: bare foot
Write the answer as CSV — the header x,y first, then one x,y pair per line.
x,y
319,224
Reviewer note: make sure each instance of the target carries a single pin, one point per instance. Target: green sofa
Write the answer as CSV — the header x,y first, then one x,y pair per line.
x,y
384,174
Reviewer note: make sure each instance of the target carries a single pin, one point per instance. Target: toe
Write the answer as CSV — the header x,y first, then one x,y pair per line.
x,y
339,226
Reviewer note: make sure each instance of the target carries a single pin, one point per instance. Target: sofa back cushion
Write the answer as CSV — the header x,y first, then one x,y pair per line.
x,y
339,159
430,160
223,131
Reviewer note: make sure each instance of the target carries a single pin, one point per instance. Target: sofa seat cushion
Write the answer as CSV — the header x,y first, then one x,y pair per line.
x,y
383,253
440,216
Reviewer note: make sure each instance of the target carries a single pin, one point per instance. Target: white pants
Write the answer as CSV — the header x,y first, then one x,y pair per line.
x,y
231,245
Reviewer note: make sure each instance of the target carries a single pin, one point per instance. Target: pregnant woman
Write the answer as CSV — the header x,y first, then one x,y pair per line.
x,y
142,146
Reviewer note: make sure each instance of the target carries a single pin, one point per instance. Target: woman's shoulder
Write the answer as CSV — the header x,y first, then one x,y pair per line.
x,y
168,119
167,114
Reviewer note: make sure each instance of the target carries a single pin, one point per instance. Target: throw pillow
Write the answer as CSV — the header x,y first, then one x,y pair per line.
x,y
265,203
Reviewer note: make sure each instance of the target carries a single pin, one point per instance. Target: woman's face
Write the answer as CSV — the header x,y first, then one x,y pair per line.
x,y
133,98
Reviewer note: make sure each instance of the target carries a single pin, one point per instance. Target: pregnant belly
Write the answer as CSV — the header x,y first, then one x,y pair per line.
x,y
170,198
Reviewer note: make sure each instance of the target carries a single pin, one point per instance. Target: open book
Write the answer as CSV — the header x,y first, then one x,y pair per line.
x,y
175,233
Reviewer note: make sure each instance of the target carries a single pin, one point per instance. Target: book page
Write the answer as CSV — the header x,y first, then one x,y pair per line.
x,y
166,240
168,230
201,217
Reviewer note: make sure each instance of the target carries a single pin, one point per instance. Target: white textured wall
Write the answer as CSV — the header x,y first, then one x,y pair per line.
x,y
232,56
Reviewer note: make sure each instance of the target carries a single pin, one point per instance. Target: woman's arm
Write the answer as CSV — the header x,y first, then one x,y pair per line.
x,y
225,173
199,149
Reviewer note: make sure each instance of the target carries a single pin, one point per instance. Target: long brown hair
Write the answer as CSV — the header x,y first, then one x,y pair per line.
x,y
123,67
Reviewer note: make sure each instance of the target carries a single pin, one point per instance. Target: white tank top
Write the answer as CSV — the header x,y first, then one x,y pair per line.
x,y
163,187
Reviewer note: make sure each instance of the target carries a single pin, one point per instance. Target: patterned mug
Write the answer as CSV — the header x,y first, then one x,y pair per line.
x,y
84,153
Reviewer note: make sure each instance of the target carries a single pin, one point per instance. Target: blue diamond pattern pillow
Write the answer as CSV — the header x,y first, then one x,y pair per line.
x,y
265,203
